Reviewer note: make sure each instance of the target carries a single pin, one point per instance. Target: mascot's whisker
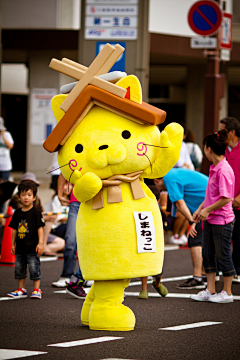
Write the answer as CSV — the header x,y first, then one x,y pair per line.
x,y
162,147
58,168
149,161
71,175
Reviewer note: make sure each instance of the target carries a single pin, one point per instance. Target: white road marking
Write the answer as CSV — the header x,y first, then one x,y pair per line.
x,y
16,354
191,326
86,341
136,283
177,278
171,247
179,295
45,259
170,295
64,292
7,298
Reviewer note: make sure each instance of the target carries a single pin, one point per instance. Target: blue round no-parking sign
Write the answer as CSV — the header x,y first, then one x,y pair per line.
x,y
205,17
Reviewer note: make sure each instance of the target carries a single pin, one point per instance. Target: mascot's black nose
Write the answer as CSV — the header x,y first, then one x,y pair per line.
x,y
103,147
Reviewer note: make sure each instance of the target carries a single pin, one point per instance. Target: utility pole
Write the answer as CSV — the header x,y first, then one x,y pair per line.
x,y
214,91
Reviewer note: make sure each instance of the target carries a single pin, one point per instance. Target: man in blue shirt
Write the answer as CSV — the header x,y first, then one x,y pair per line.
x,y
186,190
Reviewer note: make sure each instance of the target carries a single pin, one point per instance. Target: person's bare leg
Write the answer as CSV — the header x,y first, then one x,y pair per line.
x,y
227,286
57,245
196,253
36,284
178,223
158,280
21,283
211,282
184,228
46,231
144,283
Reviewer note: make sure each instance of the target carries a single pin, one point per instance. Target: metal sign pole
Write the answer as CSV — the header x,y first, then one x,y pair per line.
x,y
214,91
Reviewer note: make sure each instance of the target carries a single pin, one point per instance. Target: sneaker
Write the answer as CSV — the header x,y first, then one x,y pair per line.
x,y
174,239
76,290
161,289
204,295
191,284
61,283
143,295
36,294
204,281
222,297
236,279
87,283
183,240
18,294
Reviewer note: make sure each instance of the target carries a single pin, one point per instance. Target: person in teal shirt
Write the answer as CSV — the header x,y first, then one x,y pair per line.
x,y
186,190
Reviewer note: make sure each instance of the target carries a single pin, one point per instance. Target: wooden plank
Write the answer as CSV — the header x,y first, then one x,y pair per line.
x,y
66,69
107,76
74,64
53,141
118,112
76,73
111,60
88,76
144,112
81,117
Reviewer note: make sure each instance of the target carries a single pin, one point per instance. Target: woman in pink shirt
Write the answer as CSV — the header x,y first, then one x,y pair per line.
x,y
217,213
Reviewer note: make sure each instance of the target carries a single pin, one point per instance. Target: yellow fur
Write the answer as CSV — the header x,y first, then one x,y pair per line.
x,y
106,238
135,87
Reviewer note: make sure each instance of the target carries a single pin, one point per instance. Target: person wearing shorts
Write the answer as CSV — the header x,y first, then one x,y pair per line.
x,y
186,190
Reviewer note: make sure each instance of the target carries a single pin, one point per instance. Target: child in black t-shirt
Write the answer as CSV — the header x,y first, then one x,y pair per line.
x,y
27,224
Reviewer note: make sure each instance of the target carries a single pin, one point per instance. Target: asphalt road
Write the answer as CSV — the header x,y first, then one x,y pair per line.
x,y
32,325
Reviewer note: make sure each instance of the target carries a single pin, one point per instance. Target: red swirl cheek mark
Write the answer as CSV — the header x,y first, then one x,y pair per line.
x,y
141,147
72,163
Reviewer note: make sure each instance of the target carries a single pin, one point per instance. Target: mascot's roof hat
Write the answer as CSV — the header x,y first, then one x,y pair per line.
x,y
102,90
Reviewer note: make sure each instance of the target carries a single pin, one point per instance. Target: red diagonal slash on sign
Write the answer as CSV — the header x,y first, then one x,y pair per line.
x,y
204,17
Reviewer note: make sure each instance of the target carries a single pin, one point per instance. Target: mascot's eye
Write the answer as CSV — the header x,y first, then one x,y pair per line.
x,y
78,148
126,134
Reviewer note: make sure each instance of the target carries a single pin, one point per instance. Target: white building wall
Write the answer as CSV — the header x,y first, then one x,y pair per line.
x,y
170,16
41,14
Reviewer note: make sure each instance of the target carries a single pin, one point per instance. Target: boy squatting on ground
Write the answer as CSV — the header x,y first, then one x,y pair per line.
x,y
27,224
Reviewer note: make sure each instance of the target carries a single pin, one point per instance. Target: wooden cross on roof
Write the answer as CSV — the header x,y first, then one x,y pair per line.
x,y
90,90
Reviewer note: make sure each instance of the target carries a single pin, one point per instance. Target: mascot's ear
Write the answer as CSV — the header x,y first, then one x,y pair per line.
x,y
133,86
55,104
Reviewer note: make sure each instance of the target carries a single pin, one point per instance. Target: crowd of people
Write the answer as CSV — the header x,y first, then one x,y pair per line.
x,y
201,211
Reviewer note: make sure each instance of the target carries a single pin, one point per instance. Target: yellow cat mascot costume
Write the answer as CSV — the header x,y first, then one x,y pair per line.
x,y
107,144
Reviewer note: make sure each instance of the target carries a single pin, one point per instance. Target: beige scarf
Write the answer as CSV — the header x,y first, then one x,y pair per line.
x,y
114,193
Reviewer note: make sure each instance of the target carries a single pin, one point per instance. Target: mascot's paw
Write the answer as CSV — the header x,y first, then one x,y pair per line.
x,y
172,135
85,313
87,187
111,318
87,305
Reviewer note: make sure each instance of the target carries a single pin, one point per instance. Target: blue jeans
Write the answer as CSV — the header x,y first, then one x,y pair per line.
x,y
70,248
78,274
217,248
33,262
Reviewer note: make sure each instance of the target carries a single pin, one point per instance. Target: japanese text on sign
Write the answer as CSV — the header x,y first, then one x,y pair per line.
x,y
146,238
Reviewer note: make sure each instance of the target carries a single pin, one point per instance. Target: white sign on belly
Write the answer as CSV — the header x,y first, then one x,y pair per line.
x,y
146,238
